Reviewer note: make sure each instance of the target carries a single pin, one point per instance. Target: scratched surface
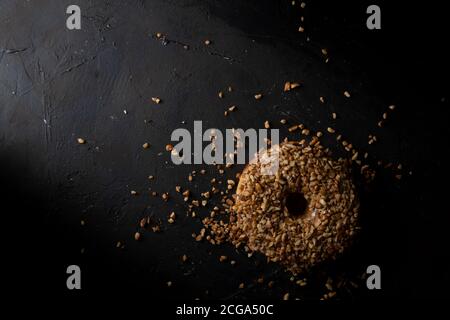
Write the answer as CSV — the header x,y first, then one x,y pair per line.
x,y
96,83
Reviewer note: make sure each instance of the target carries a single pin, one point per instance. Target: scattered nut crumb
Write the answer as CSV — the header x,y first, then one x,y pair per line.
x,y
290,85
169,147
156,100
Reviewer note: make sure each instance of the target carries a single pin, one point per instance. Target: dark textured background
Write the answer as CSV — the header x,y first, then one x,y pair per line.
x,y
57,85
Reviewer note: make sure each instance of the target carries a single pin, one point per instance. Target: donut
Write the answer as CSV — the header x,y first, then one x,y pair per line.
x,y
303,214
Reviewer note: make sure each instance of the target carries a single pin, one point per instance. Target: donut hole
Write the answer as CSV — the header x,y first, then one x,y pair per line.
x,y
296,203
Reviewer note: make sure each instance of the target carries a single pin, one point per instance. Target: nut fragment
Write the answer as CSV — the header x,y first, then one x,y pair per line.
x,y
156,100
288,86
137,236
146,145
172,217
347,94
169,147
258,96
81,141
232,108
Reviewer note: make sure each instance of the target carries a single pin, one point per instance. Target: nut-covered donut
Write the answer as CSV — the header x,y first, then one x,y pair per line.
x,y
304,214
